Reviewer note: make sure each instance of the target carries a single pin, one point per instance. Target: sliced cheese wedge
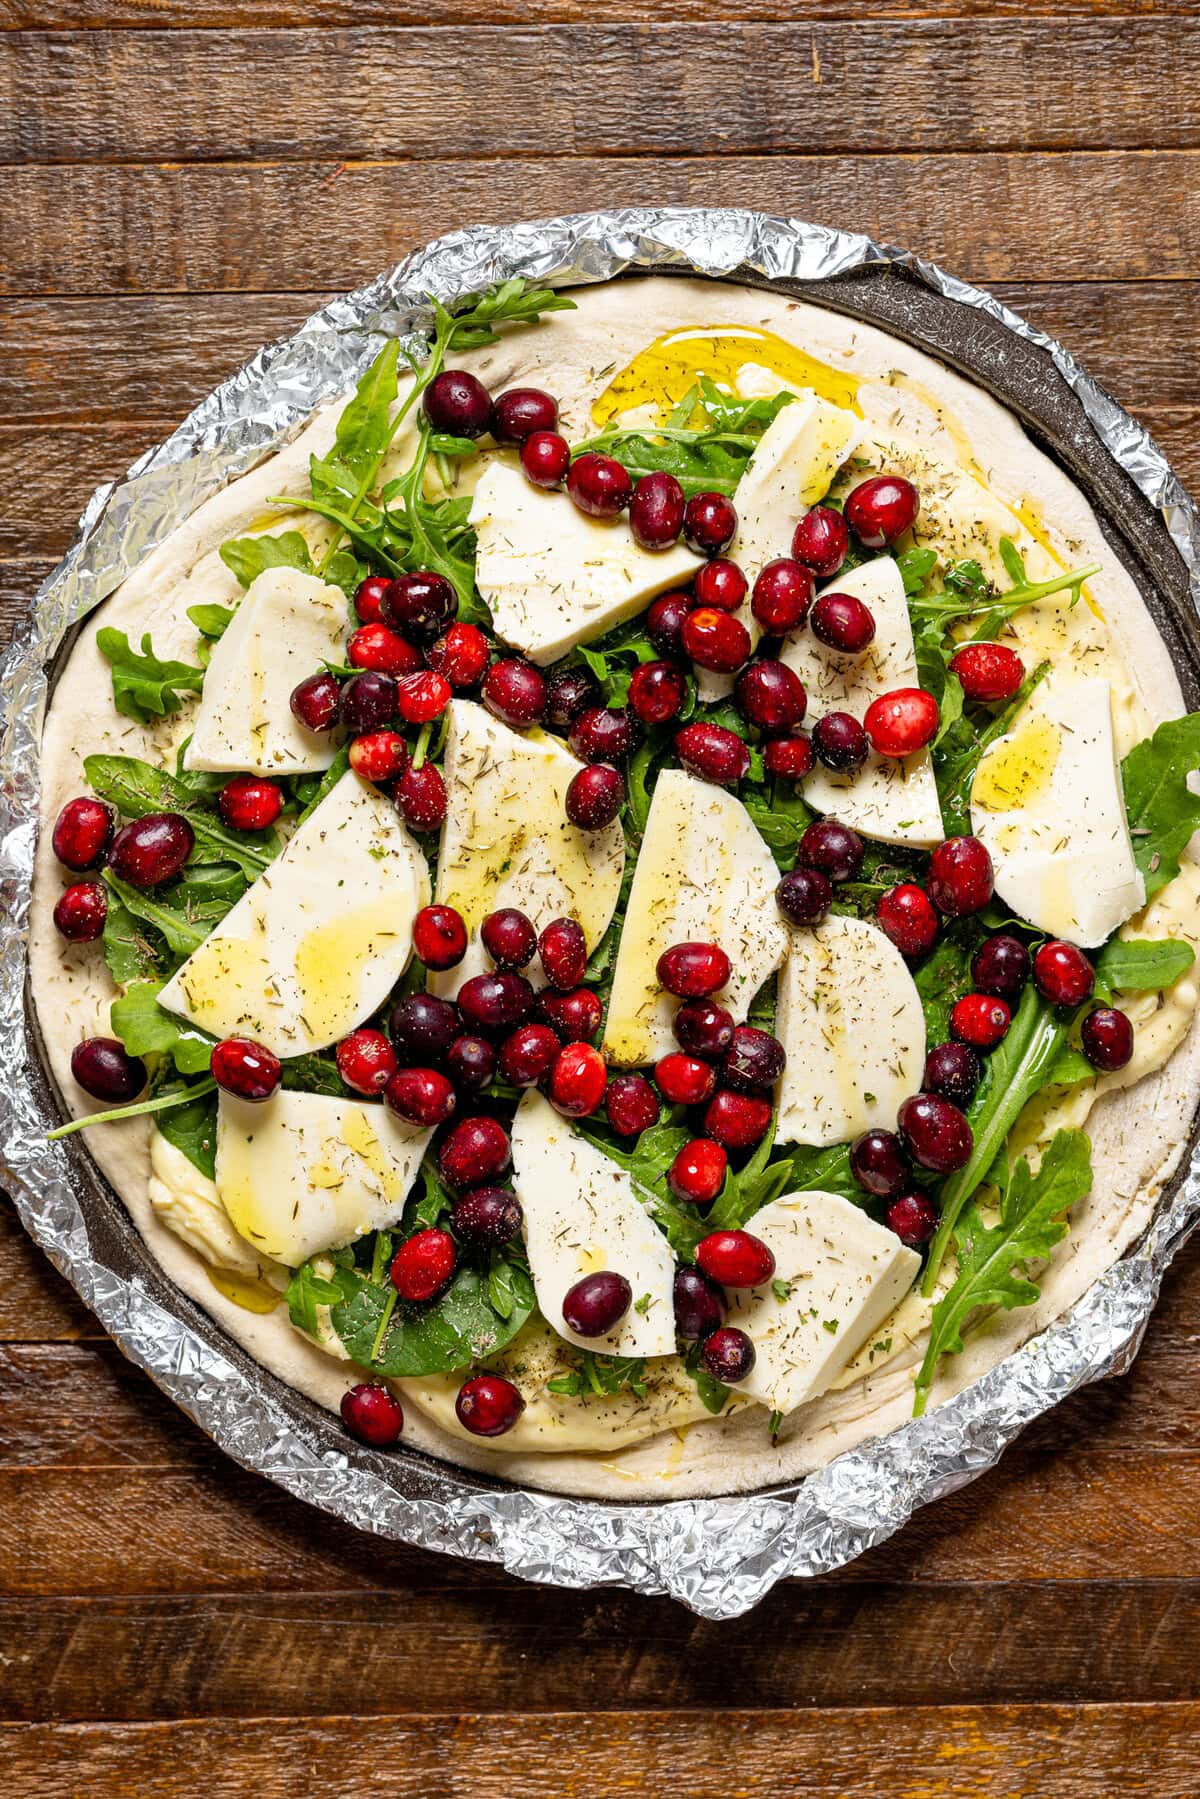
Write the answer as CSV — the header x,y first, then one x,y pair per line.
x,y
583,1216
287,625
850,1018
507,840
843,1274
1048,803
316,944
554,577
890,801
704,874
306,1172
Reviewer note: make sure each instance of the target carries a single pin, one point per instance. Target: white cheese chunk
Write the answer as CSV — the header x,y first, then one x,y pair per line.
x,y
1048,803
850,1018
583,1216
319,940
287,625
554,577
703,875
843,1274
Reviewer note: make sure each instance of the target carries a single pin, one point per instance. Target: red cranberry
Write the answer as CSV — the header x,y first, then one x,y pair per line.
x,y
833,848
693,970
546,457
710,524
788,758
152,849
905,913
631,1105
703,1029
735,1259
736,1120
488,1405
728,1355
882,509
439,936
804,896
754,1062
577,1080
495,1003
247,1070
699,1305
960,876
101,1066
475,1154
902,722
821,541
783,593
81,910
770,696
509,939
421,604
840,742
520,411
575,1016
423,1266
878,1165
599,485
685,1080
373,1415
595,797
368,599
980,1020
422,698
656,511
988,671
423,1027
935,1133
421,796
1107,1038
716,640
569,692
1063,974
248,803
366,1060
603,734
458,404
842,622
380,648
954,1071
720,583
471,1062
562,948
486,1218
316,702
368,702
528,1055
596,1304
698,1172
1001,966
914,1218
82,831
664,624
515,691
460,654
379,756
713,753
657,693
420,1096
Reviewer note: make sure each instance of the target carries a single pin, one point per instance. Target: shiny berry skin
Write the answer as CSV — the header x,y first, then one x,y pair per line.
x,y
698,1172
754,1061
703,1029
81,832
1063,974
367,702
373,1415
545,458
575,1016
954,1071
379,756
728,1355
495,1003
1107,1038
832,847
420,1096
420,793
770,696
379,647
736,1120
735,1259
1001,966
476,1153
878,1164
366,1060
821,540
988,672
631,1105
102,1067
913,1217
421,604
316,702
509,939
720,583
595,796
247,1070
368,599
699,1305
471,1063
81,910
980,1020
514,691
528,1055
906,914
882,509
249,803
710,523
842,622
935,1133
840,743
657,692
804,896
562,949
486,1218
152,849
439,936
664,624
423,1027
902,722
713,753
603,734
782,597
959,881
422,698
685,1080
596,1304
693,970
599,485
788,758
488,1405
656,511
568,693
457,403
577,1080
424,1265
716,640
460,655
520,411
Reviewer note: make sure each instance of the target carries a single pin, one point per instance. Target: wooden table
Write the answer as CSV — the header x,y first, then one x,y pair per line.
x,y
173,198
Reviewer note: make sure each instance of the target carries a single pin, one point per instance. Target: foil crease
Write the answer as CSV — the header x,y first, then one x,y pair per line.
x,y
717,1556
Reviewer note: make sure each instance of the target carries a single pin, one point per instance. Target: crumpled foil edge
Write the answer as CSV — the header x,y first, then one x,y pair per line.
x,y
717,1556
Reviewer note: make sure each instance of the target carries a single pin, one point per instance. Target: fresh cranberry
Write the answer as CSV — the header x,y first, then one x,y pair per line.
x,y
710,524
906,915
528,1055
562,949
954,1071
316,702
664,624
422,698
980,1020
509,939
804,896
515,691
788,758
703,1029
471,1062
914,1218
685,1080
839,742
1107,1038
770,696
379,756
713,753
368,599
596,1304
520,411
421,604
1001,966
657,692
595,797
495,1003
458,404
1063,974
878,1165
486,1218
247,1070
736,1120
960,876
716,640
423,1027
102,1067
488,1405
698,1172
152,849
81,910
935,1133
420,1096
656,511
575,1016
423,1266
373,1415
577,1080
699,1305
631,1105
988,671
754,1061
82,831
421,796
546,457
603,734
367,702
842,622
735,1259
599,485
833,848
460,654
882,509
439,936
821,541
380,648
902,722
569,692
693,970
475,1154
720,583
783,594
728,1355
366,1060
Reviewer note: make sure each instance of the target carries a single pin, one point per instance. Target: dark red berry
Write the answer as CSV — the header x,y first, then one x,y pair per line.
x,y
821,541
420,794
515,691
935,1133
954,1071
902,722
693,970
488,1405
81,910
716,640
703,1029
247,1070
373,1415
833,848
657,693
420,604
783,594
528,1055
840,742
493,1004
770,696
316,702
736,1120
914,1218
906,914
520,411
656,511
1107,1038
366,1060
1063,974
631,1105
980,1020
102,1067
368,702
368,599
475,1154
685,1080
804,896
422,698
664,624
471,1062
575,1016
960,876
842,622
562,949
698,1172
380,648
710,523
421,1096
460,655
713,753
699,1305
545,458
882,509
379,756
735,1259
728,1355
595,797
1001,966
603,734
788,758
423,1266
878,1165
720,583
509,939
599,485
152,849
423,1027
988,672
457,403
596,1304
569,692
577,1080
82,831
754,1061
486,1218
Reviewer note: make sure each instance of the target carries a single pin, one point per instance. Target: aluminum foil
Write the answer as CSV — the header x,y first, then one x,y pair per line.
x,y
718,1556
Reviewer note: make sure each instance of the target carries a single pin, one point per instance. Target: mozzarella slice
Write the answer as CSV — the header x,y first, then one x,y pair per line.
x,y
842,1274
703,875
319,940
582,1216
287,625
850,1018
890,801
554,577
1047,801
306,1172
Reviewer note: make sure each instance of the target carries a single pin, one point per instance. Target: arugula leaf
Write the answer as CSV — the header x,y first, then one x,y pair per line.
x,y
647,1164
192,1128
943,977
711,458
1162,809
461,1327
916,566
601,1375
781,818
175,1095
135,788
954,765
129,953
181,933
308,1289
211,621
313,1074
248,557
713,1394
364,429
145,1028
144,687
1142,964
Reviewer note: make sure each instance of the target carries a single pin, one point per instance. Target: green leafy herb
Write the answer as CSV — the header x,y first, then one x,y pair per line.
x,y
1125,965
249,557
955,763
461,1327
147,1028
308,1289
1162,809
135,788
326,784
714,1396
601,1375
162,1101
712,457
145,687
211,621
